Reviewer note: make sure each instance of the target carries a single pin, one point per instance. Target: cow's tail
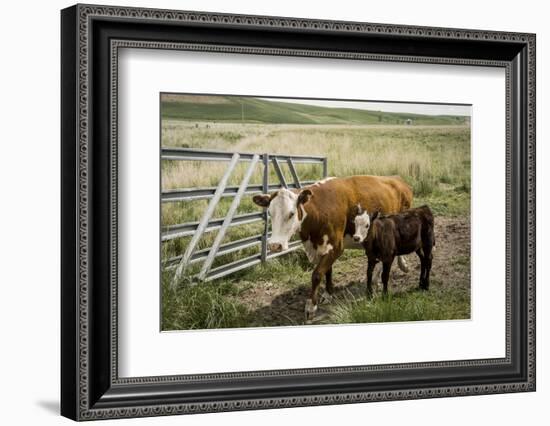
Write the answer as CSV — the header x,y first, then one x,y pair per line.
x,y
402,263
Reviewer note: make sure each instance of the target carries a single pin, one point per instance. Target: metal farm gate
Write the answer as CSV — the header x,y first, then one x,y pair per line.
x,y
214,194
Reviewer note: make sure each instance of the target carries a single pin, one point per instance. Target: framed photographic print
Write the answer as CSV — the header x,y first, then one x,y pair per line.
x,y
263,212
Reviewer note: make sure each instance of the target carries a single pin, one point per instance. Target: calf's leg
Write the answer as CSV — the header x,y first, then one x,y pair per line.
x,y
386,274
370,268
420,254
427,268
402,263
377,274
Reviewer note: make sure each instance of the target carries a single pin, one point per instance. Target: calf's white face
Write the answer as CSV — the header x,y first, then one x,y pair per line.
x,y
287,214
362,225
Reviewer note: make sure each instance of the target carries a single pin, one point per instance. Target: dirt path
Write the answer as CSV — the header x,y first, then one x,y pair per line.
x,y
274,305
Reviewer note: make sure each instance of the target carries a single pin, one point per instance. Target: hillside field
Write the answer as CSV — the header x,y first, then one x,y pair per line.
x,y
239,109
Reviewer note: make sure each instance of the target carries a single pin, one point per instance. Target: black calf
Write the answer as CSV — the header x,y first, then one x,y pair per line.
x,y
398,234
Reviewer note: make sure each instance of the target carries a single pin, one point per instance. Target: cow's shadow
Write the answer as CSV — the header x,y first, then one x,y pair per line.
x,y
287,308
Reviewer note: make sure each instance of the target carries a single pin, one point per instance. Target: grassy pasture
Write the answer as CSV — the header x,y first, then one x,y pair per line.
x,y
433,159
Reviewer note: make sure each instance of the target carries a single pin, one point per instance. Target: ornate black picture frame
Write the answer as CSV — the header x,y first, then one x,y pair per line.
x,y
91,36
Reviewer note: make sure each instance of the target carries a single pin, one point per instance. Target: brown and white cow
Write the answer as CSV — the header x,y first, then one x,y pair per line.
x,y
320,215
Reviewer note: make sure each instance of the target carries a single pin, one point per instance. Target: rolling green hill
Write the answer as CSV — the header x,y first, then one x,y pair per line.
x,y
254,110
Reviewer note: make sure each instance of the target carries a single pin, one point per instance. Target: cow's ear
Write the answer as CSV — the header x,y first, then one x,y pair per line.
x,y
375,215
262,200
304,196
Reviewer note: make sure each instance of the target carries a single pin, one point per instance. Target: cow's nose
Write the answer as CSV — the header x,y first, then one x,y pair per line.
x,y
275,247
356,239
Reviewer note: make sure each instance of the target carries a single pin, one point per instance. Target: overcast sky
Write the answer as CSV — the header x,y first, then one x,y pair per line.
x,y
429,109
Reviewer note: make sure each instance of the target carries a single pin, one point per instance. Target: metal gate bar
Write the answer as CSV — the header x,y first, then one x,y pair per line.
x,y
187,229
293,173
247,262
265,190
190,154
207,215
279,172
228,218
189,194
226,248
214,194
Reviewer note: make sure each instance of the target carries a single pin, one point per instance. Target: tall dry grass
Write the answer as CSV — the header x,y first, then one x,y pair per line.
x,y
414,152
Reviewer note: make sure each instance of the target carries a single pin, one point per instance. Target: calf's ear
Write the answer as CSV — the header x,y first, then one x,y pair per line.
x,y
375,215
304,196
262,200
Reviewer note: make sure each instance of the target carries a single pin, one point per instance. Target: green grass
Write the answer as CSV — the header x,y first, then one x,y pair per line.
x,y
253,110
286,270
414,305
446,203
201,307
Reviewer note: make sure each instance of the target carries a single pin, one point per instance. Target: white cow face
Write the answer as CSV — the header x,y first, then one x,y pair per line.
x,y
287,214
362,225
